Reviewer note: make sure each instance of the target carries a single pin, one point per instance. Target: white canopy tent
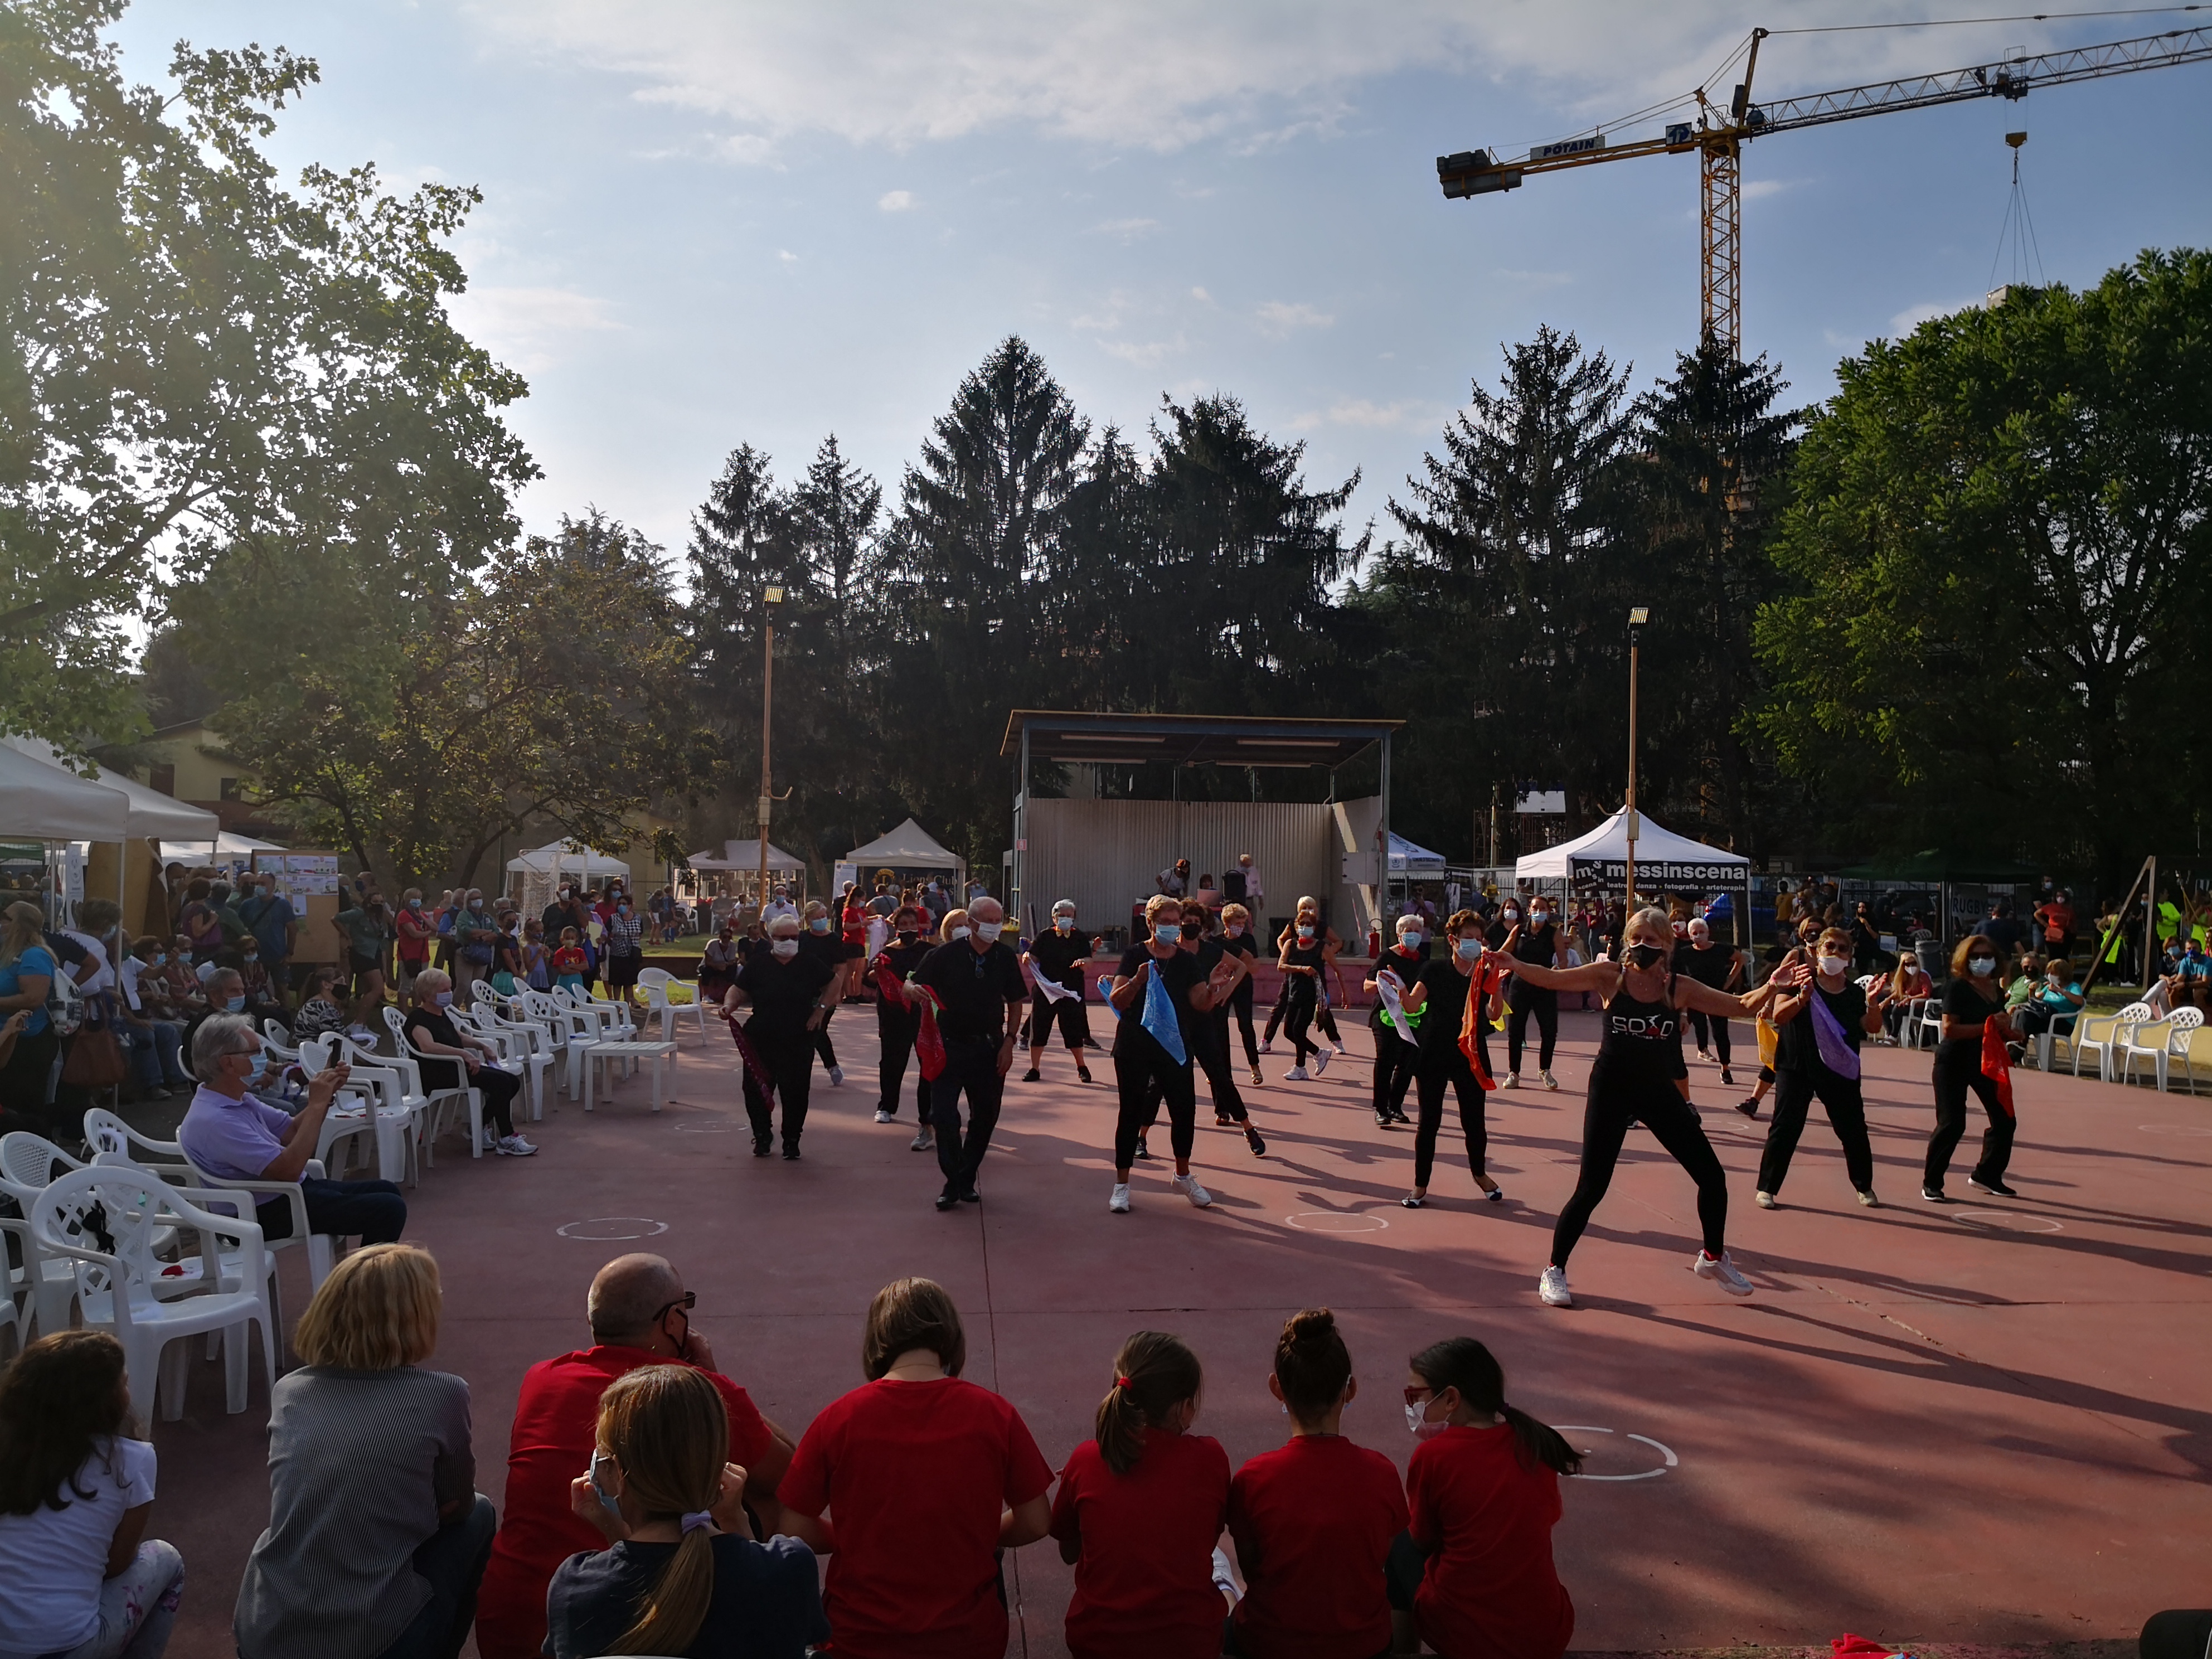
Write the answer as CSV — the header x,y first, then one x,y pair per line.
x,y
1413,861
590,864
40,802
909,846
1664,860
227,846
145,812
742,855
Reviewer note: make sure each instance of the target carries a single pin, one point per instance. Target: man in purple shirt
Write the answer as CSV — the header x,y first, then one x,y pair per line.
x,y
232,1136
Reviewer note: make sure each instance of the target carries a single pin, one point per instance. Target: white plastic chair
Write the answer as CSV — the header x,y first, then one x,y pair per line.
x,y
458,1093
576,1032
18,1314
28,1166
372,1104
1926,1022
517,1047
2102,1037
399,1081
317,1245
616,1021
2183,1026
655,982
102,1221
2151,1041
104,1132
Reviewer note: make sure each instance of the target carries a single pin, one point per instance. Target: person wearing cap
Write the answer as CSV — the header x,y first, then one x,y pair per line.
x,y
1058,956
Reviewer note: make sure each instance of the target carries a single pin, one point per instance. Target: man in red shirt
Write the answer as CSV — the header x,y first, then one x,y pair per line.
x,y
641,1315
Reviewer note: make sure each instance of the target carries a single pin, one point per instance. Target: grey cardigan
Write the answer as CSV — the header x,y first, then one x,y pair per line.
x,y
359,1462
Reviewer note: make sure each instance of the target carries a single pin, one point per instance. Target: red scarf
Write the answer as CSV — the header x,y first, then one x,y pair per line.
x,y
1997,1065
1481,984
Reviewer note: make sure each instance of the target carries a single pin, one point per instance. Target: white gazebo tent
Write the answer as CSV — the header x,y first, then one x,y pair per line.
x,y
909,846
1663,859
542,868
42,799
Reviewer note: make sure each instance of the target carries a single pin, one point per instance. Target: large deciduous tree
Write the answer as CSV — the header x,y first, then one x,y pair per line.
x,y
2003,562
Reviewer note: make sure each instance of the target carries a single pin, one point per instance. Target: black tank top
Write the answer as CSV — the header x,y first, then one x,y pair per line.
x,y
1540,948
1641,1042
1308,955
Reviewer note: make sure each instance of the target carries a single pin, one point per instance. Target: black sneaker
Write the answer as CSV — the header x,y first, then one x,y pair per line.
x,y
973,1195
1934,1195
1992,1185
1748,1108
1143,1151
1383,1120
791,1152
1083,1071
760,1146
1032,1075
947,1202
1252,1139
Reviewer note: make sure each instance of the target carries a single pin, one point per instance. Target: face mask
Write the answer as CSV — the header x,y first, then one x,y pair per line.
x,y
414,904
622,909
1235,930
1983,967
785,949
1063,924
1409,943
1168,932
259,1064
908,935
1305,931
820,924
1419,1426
1834,966
1469,949
1512,914
960,932
1537,917
2058,979
236,1004
1645,955
441,999
155,961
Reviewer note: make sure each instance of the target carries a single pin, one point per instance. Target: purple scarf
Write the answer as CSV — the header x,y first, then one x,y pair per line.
x,y
1836,1051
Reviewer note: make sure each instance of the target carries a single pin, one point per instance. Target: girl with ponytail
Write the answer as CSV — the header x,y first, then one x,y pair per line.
x,y
1138,1513
1474,1573
1314,1521
682,1575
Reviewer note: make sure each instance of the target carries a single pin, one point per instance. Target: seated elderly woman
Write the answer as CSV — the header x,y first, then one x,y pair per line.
x,y
377,1535
431,1028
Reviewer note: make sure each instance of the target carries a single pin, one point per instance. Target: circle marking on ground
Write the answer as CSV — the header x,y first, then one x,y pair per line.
x,y
2175,1128
1664,1451
608,1228
1335,1221
2008,1221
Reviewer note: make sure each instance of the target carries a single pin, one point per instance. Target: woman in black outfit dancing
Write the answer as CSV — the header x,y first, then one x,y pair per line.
x,y
1059,956
1973,1000
898,1022
1633,1079
1305,958
1439,995
1237,940
1537,941
1816,1054
1309,919
1395,1054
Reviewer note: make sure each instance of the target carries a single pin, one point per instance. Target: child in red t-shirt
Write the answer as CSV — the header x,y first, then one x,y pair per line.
x,y
1138,1511
569,962
1473,1572
1314,1521
925,1479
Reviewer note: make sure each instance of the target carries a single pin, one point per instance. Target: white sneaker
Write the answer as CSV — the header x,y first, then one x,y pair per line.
x,y
1867,1198
1296,1075
883,1116
1224,1579
514,1146
1188,1187
924,1142
836,1077
1120,1202
1550,1082
1269,1046
1336,1048
1551,1288
1322,1058
1513,1079
1723,1271
1765,1201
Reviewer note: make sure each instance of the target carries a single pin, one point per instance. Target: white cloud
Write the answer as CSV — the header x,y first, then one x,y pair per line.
x,y
1162,74
528,328
1913,316
1403,416
895,201
1128,230
1143,354
787,256
1754,188
1280,319
1200,294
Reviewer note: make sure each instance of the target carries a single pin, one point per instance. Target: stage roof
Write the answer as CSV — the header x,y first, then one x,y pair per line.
x,y
1190,739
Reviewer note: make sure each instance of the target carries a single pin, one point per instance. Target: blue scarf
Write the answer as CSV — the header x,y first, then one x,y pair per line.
x,y
1159,1018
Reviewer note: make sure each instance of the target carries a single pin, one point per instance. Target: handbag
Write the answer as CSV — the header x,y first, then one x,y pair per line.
x,y
95,1059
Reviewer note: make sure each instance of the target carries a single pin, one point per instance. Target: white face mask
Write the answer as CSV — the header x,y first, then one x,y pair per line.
x,y
1063,924
1512,914
1981,967
960,932
1419,1426
1235,930
785,949
1834,966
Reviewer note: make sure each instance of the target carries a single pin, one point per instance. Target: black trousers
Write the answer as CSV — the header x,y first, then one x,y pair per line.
x,y
498,1088
789,1062
1209,1047
1845,1104
1069,1014
1437,1070
897,1028
1605,1119
971,1068
1958,1069
1544,1006
1240,1004
822,1042
1300,999
1137,1067
1713,1032
1394,1062
375,1210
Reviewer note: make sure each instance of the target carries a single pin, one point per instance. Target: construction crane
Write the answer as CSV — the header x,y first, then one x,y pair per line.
x,y
1718,138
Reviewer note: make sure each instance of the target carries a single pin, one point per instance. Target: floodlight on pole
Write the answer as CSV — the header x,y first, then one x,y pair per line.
x,y
770,598
1638,617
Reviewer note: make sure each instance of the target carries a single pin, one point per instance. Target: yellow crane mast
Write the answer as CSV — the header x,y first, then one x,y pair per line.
x,y
1718,136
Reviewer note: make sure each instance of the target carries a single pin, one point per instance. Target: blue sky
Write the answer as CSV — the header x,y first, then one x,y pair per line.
x,y
709,224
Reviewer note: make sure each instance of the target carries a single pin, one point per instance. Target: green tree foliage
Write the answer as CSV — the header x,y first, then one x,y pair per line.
x,y
420,730
198,358
2002,564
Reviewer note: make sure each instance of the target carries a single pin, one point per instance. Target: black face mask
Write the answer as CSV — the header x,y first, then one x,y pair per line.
x,y
1645,955
908,935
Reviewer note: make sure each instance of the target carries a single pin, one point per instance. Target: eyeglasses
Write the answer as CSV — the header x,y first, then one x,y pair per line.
x,y
687,1301
1416,1393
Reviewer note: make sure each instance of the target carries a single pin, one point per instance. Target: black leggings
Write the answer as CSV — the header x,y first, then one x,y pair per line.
x,y
1958,1068
1298,1006
896,1028
1317,1013
1702,1024
1240,1002
1605,1130
1545,1004
822,1042
1437,1070
1067,1013
1845,1104
497,1087
1136,1068
1394,1060
1212,1054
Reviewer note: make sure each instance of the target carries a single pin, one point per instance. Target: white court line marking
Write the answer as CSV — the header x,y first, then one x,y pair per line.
x,y
2008,1221
705,1126
1360,1221
2175,1128
1664,1451
630,1226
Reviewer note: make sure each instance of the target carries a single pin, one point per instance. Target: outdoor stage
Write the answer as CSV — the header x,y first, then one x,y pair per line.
x,y
1989,1423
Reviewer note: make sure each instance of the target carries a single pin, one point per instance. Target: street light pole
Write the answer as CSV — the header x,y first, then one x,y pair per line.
x,y
1637,617
771,598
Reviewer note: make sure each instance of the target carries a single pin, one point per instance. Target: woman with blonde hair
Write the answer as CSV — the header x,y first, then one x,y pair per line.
x,y
926,1479
1633,1079
377,1535
682,1573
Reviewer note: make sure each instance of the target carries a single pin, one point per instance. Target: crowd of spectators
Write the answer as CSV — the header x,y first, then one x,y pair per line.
x,y
650,1508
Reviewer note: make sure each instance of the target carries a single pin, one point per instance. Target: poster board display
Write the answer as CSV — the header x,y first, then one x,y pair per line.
x,y
309,883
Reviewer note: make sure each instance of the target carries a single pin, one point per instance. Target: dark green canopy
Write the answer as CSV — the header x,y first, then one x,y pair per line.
x,y
1923,869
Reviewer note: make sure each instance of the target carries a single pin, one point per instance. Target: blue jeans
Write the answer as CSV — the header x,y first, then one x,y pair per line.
x,y
153,1048
452,1561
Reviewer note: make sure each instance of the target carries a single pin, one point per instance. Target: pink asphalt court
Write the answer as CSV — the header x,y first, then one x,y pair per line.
x,y
1988,1422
